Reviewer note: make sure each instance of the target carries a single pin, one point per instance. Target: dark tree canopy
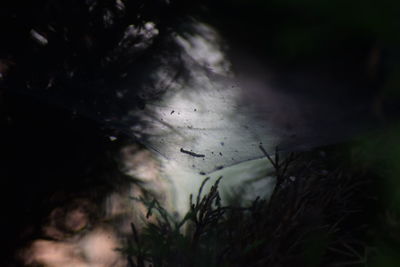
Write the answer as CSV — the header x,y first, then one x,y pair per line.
x,y
48,42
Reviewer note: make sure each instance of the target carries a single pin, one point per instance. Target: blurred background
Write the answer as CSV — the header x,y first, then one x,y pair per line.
x,y
54,149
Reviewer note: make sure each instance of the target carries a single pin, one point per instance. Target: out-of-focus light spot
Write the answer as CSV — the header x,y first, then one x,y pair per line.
x,y
120,5
39,38
98,248
95,249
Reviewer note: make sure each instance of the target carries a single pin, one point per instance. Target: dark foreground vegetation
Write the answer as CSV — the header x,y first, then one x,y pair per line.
x,y
326,210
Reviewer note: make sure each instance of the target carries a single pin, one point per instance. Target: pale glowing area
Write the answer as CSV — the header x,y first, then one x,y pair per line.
x,y
244,182
172,184
53,254
205,117
200,127
95,249
81,241
204,45
99,248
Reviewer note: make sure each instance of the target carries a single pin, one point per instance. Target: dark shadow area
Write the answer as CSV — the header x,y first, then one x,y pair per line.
x,y
49,158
